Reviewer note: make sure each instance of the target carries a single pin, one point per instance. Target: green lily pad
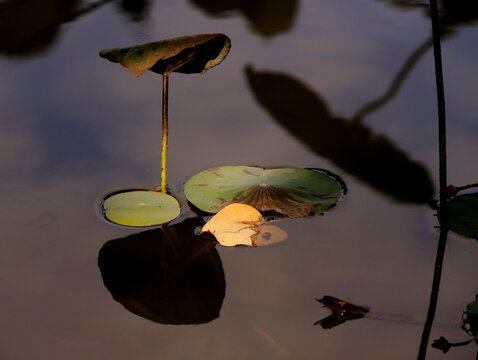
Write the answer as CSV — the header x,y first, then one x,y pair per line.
x,y
140,208
463,215
187,54
292,192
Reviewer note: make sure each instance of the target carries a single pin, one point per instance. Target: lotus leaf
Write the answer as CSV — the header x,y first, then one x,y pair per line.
x,y
463,215
292,192
140,208
187,54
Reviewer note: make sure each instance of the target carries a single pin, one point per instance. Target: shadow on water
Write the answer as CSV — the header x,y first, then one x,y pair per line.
x,y
459,213
349,144
452,13
168,275
33,26
266,17
137,10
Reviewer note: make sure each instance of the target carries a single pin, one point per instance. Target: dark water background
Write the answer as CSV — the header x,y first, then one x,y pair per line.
x,y
74,126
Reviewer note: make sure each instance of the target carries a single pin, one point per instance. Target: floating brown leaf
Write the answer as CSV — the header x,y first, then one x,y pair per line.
x,y
341,312
241,224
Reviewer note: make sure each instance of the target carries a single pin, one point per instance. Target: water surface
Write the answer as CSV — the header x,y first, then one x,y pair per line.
x,y
75,127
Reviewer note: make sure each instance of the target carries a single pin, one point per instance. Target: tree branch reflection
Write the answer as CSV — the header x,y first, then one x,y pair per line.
x,y
349,144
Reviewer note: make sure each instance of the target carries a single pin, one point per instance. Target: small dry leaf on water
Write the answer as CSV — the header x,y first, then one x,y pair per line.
x,y
342,311
241,224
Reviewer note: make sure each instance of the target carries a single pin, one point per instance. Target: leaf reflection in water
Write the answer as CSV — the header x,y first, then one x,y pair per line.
x,y
266,17
351,145
168,275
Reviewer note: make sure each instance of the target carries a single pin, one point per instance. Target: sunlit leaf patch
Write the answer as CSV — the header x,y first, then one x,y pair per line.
x,y
293,192
140,208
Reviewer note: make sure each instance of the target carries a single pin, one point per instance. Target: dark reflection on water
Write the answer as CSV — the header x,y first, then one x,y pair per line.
x,y
168,275
33,26
137,10
453,13
349,144
266,17
396,83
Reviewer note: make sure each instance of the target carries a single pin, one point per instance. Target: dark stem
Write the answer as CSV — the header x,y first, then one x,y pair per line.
x,y
164,142
461,343
435,289
442,181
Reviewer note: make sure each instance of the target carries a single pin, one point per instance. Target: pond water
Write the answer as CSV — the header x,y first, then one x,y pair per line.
x,y
294,91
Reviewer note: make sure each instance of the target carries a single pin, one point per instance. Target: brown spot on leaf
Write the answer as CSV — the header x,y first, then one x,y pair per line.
x,y
249,173
323,196
214,171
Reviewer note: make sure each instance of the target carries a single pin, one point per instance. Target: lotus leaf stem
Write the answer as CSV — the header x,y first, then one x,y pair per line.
x,y
164,142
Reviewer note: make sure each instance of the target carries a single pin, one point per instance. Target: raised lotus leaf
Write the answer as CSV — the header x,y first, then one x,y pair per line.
x,y
187,54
